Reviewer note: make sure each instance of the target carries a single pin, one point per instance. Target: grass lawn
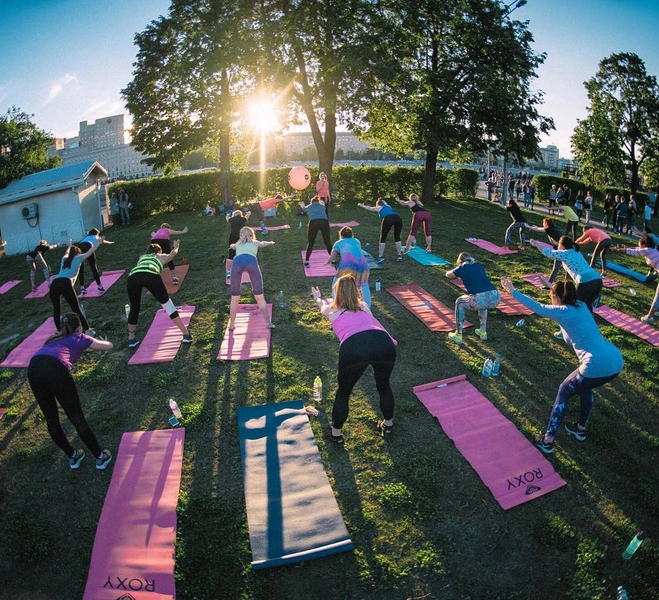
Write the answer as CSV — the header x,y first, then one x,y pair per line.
x,y
422,522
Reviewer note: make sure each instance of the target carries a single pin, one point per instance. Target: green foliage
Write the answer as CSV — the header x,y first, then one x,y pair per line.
x,y
462,183
586,583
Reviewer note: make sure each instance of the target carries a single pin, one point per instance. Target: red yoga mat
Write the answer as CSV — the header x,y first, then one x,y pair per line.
x,y
513,469
620,319
21,355
348,224
133,554
317,266
508,305
278,227
180,271
5,287
108,279
250,339
489,246
42,291
534,279
432,313
162,341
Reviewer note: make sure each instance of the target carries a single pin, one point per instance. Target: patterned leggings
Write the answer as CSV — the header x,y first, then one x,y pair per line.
x,y
480,302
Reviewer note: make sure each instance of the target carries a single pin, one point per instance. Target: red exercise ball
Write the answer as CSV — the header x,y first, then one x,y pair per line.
x,y
299,178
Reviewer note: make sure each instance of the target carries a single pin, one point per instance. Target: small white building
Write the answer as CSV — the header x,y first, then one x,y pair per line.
x,y
54,205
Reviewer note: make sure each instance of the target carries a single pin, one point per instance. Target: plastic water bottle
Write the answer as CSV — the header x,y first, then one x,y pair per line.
x,y
175,409
621,593
496,367
282,302
299,225
82,310
637,540
378,285
520,323
632,291
367,247
317,389
127,309
487,367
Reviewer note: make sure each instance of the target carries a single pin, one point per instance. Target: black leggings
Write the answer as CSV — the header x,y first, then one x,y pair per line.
x,y
51,383
588,292
371,347
91,259
388,222
61,287
151,282
316,225
166,246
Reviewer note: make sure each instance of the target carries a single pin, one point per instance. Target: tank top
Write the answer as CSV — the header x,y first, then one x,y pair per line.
x,y
148,263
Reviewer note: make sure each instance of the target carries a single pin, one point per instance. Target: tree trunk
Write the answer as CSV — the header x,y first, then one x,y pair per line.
x,y
428,191
225,147
327,148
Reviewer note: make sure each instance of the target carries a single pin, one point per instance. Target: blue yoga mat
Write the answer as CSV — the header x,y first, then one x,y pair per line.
x,y
371,261
291,510
625,271
425,258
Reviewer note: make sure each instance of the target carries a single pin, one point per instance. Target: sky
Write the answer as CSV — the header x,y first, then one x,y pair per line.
x,y
66,61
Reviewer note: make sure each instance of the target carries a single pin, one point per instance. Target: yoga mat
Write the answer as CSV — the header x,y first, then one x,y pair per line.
x,y
508,305
108,279
317,266
540,245
620,319
513,469
372,265
534,279
5,287
489,246
250,339
244,278
133,555
42,290
21,355
180,271
292,513
348,224
612,266
432,313
162,341
278,227
426,258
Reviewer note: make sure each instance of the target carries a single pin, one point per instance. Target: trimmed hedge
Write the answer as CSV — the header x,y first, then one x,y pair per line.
x,y
192,192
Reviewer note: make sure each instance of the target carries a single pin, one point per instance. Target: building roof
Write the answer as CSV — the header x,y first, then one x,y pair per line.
x,y
51,180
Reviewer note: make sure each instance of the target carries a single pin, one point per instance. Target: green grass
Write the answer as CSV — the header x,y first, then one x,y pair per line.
x,y
423,523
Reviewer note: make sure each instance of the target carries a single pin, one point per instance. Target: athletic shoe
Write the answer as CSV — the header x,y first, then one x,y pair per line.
x,y
386,431
306,263
579,434
91,332
337,439
399,258
455,337
521,247
648,320
134,343
558,335
101,288
83,290
187,339
76,459
104,460
175,280
379,260
545,447
481,334
505,247
228,274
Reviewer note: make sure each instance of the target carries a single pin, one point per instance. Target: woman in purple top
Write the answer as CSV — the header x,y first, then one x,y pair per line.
x,y
162,237
363,341
49,375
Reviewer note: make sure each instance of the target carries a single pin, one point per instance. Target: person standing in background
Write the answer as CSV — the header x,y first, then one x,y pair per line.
x,y
124,207
323,191
115,214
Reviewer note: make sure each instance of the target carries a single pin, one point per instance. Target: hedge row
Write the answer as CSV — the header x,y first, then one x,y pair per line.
x,y
192,192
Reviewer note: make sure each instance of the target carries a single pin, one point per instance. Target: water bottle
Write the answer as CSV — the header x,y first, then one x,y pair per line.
x,y
282,303
317,389
175,409
367,247
520,323
378,285
82,310
632,291
487,367
127,309
621,593
496,367
637,540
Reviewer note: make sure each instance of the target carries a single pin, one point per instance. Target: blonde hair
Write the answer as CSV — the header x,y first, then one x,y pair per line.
x,y
246,235
465,258
346,294
165,226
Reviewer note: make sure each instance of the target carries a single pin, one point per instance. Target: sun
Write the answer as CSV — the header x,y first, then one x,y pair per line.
x,y
262,115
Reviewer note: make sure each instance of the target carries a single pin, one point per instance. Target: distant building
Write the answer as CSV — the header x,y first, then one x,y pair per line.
x,y
550,156
104,141
297,143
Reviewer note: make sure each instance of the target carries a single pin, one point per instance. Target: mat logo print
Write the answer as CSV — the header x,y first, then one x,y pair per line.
x,y
135,584
126,597
532,489
525,479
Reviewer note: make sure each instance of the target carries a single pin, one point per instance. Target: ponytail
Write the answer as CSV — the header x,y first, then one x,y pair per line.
x,y
69,324
566,292
73,251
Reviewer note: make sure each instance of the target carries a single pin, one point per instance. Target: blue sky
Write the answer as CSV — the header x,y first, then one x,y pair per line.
x,y
66,61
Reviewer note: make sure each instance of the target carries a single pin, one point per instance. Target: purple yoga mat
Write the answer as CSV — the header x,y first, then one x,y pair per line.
x,y
250,339
317,266
513,469
489,246
134,552
108,279
5,287
21,355
162,341
42,291
620,319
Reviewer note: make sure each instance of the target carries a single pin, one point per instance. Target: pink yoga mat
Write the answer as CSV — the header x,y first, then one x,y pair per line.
x,y
508,305
180,271
250,339
511,467
133,554
348,224
42,291
278,227
21,355
489,246
108,279
162,341
534,279
317,266
5,287
434,315
243,279
620,319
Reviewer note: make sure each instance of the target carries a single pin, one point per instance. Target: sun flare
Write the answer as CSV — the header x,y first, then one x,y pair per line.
x,y
262,116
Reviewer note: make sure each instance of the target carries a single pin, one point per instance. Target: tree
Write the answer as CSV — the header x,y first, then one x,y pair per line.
x,y
23,147
623,98
454,78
